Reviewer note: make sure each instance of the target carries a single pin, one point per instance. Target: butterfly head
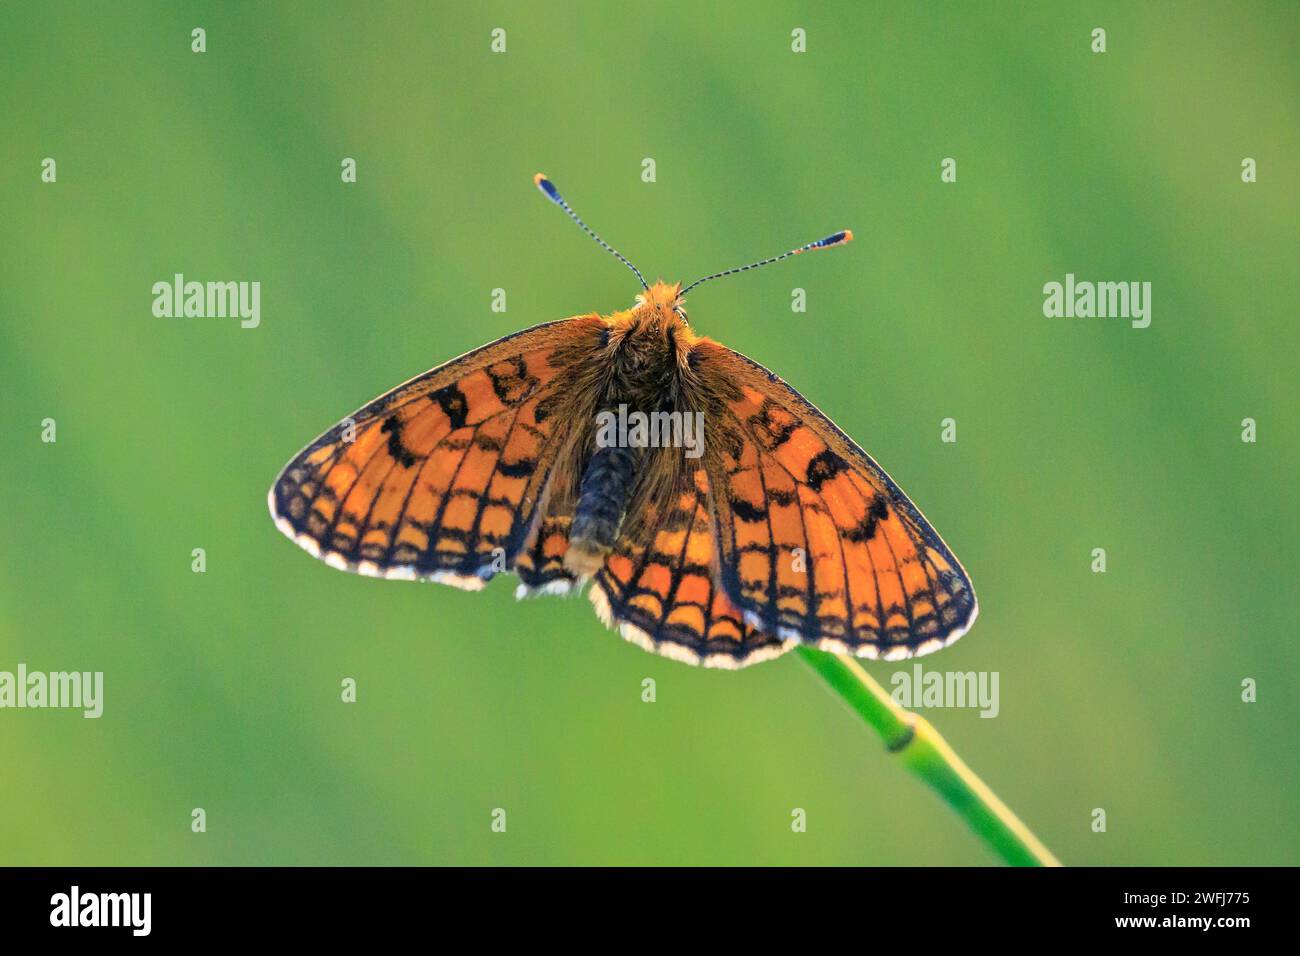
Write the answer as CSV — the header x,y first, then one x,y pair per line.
x,y
662,301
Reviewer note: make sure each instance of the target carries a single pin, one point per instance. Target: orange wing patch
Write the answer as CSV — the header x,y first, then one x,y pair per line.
x,y
665,597
439,478
818,544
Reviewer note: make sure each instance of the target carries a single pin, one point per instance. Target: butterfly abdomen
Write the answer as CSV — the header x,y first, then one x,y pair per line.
x,y
602,500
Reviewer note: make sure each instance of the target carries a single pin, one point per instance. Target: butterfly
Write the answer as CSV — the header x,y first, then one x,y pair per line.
x,y
770,530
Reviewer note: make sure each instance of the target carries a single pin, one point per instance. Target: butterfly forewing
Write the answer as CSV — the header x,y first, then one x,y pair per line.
x,y
442,476
817,543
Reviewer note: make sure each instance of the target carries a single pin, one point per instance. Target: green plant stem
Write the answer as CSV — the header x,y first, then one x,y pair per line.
x,y
914,739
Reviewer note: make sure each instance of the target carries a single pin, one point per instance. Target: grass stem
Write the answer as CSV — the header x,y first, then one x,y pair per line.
x,y
924,751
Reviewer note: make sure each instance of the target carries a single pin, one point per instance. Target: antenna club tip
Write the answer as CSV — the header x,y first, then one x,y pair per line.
x,y
545,185
834,239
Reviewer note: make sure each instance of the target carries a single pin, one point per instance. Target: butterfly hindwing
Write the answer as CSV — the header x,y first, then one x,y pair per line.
x,y
816,542
439,478
660,589
540,565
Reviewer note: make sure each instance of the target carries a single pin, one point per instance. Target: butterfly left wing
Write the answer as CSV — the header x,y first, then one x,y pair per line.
x,y
441,477
817,543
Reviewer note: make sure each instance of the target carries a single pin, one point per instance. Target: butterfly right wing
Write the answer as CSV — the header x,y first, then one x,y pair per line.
x,y
817,543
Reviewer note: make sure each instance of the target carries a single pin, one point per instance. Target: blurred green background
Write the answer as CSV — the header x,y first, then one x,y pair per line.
x,y
1118,690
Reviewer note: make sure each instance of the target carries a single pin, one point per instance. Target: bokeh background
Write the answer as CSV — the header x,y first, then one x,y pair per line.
x,y
1119,690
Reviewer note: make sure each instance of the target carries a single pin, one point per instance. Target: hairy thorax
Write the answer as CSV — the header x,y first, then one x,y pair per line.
x,y
649,370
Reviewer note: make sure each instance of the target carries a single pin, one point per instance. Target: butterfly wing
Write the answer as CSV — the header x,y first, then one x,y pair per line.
x,y
816,542
660,588
441,478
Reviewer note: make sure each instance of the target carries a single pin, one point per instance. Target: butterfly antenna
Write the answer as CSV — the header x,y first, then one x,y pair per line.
x,y
553,194
838,239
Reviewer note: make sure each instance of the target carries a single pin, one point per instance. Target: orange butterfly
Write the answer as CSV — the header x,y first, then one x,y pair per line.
x,y
772,529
